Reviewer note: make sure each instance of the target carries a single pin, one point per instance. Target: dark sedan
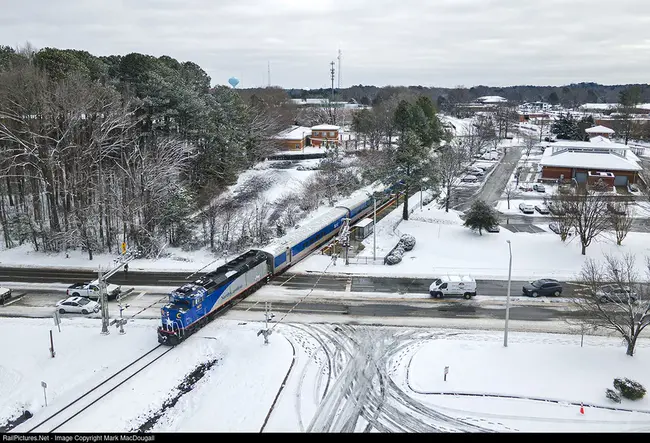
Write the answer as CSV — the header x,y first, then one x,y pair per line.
x,y
543,287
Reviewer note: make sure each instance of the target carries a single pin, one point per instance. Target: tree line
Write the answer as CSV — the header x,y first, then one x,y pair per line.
x,y
99,150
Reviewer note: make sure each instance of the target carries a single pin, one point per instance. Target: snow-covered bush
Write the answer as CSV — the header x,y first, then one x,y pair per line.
x,y
630,389
393,259
408,241
612,395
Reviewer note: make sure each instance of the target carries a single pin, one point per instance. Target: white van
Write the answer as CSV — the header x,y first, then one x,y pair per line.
x,y
453,285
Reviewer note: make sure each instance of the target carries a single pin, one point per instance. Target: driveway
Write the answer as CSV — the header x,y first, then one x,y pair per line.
x,y
491,191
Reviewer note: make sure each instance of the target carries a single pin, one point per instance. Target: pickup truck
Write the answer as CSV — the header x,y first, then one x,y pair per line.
x,y
91,290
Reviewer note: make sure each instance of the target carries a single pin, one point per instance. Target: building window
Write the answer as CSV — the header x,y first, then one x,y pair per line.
x,y
331,134
297,146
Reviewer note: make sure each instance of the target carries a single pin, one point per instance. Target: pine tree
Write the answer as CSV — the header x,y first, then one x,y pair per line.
x,y
480,216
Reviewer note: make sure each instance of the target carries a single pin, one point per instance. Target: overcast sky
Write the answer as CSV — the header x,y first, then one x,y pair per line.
x,y
398,42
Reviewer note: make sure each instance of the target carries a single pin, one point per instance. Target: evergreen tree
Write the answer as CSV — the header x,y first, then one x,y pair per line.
x,y
480,216
566,128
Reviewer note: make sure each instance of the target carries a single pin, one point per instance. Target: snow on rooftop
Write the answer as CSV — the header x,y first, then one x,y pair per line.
x,y
588,160
491,99
294,133
599,106
325,127
600,129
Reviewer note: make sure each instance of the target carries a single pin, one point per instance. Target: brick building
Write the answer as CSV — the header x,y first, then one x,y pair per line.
x,y
324,134
599,159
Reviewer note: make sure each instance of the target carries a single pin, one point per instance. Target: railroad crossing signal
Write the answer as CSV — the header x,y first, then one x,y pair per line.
x,y
123,248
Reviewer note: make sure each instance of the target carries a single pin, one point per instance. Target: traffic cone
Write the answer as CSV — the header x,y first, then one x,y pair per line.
x,y
582,409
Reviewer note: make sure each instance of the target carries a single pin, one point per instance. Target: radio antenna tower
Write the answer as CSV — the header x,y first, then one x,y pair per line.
x,y
339,60
269,75
332,76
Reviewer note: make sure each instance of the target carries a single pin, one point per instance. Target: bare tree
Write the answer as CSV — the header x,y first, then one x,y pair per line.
x,y
529,144
560,215
621,218
588,210
450,162
623,305
510,192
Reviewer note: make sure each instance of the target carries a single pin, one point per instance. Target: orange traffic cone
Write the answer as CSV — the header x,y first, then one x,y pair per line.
x,y
582,409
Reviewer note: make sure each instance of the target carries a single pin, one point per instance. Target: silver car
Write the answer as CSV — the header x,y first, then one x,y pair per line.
x,y
616,294
81,305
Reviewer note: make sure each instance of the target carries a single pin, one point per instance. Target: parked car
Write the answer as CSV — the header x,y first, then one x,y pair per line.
x,y
526,208
542,209
543,287
475,171
82,305
91,290
633,188
525,188
469,179
495,228
615,293
616,208
555,209
539,188
5,294
555,227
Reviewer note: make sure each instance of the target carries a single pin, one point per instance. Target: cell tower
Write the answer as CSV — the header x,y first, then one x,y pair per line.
x,y
332,71
339,60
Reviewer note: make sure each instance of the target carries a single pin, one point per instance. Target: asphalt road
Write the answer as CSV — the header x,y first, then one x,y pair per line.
x,y
147,305
638,224
394,285
491,190
437,309
290,281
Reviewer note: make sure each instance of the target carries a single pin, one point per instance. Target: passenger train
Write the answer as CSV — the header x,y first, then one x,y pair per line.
x,y
194,304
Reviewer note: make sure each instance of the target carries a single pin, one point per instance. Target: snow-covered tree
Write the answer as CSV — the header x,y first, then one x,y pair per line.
x,y
480,216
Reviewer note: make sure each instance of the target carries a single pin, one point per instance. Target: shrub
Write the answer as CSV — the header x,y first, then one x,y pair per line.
x,y
393,259
613,395
629,389
408,241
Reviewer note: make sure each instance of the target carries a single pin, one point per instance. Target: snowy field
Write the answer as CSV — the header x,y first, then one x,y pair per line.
x,y
444,246
323,378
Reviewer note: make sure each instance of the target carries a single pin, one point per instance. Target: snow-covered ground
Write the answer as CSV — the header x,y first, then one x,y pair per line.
x,y
308,376
444,246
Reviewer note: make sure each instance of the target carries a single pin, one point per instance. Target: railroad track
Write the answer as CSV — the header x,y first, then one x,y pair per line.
x,y
76,407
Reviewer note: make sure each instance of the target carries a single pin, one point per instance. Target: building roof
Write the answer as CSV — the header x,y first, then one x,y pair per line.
x,y
294,133
601,161
325,128
593,143
491,99
600,129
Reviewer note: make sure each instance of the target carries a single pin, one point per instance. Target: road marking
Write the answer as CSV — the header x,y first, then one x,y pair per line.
x,y
140,295
13,301
287,280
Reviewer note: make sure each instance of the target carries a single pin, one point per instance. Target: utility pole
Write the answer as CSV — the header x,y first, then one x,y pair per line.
x,y
505,332
269,74
374,229
104,300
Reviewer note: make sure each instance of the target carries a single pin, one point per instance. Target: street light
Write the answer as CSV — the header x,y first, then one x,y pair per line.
x,y
505,333
374,226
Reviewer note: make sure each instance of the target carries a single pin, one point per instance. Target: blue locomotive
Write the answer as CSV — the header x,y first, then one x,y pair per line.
x,y
194,304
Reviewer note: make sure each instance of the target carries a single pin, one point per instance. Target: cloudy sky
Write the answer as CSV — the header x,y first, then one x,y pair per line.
x,y
383,42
